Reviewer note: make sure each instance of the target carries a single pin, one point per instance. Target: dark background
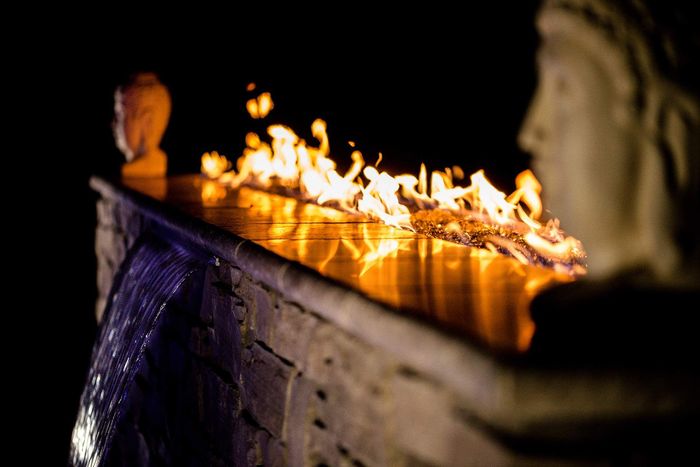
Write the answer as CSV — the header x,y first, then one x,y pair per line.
x,y
434,86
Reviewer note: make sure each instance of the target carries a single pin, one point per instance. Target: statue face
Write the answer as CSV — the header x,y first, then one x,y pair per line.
x,y
129,126
581,131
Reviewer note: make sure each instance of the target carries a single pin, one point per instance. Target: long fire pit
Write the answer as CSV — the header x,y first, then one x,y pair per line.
x,y
300,335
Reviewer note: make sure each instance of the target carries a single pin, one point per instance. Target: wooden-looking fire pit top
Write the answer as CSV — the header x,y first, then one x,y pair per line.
x,y
463,289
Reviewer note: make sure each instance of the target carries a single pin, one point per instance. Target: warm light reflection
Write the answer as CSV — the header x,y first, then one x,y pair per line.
x,y
481,292
370,252
477,214
212,192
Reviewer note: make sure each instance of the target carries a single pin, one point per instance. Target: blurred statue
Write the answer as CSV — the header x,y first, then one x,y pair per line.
x,y
614,128
141,113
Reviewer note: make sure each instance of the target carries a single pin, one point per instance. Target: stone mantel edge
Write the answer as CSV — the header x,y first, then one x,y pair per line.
x,y
512,398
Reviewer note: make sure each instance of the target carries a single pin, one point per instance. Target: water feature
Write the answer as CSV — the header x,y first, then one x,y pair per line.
x,y
155,277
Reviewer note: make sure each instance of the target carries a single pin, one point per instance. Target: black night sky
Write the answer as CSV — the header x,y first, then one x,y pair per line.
x,y
443,88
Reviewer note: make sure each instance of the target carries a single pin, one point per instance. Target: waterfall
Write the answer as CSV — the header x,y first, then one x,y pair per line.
x,y
149,282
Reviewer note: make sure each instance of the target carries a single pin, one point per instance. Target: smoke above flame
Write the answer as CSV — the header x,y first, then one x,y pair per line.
x,y
477,214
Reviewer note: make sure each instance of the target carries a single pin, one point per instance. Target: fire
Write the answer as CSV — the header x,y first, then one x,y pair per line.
x,y
477,214
214,165
260,106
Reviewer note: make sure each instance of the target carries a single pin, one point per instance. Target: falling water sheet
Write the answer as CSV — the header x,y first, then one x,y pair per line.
x,y
149,282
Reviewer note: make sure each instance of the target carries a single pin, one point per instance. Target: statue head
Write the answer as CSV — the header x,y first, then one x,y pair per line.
x,y
141,113
614,130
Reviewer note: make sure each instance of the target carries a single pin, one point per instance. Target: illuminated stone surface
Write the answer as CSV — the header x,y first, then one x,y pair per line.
x,y
294,358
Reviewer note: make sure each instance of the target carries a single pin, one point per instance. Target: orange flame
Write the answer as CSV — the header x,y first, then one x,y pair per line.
x,y
289,163
260,106
214,165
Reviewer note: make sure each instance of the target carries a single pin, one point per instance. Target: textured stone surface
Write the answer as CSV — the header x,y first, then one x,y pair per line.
x,y
245,314
432,432
302,391
118,227
280,368
292,333
265,312
353,379
265,383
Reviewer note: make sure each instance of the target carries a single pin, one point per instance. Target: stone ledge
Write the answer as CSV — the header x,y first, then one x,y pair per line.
x,y
504,397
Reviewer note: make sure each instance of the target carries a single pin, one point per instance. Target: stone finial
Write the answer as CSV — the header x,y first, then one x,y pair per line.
x,y
141,113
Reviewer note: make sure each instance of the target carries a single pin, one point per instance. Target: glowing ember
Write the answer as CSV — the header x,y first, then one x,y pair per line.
x,y
476,215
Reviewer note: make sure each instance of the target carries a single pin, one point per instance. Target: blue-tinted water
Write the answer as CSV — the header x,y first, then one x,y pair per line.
x,y
150,281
